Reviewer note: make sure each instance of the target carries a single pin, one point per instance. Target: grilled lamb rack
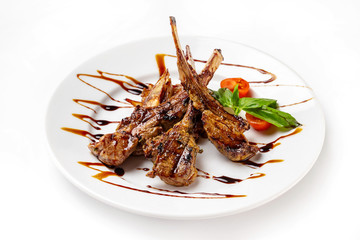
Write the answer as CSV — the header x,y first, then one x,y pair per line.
x,y
230,141
174,152
161,107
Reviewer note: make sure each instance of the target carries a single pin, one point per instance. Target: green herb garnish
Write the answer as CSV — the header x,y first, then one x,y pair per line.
x,y
263,108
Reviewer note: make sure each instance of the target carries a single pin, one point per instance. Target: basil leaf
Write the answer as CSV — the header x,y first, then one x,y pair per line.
x,y
235,96
235,100
292,123
263,108
246,102
274,116
227,99
224,96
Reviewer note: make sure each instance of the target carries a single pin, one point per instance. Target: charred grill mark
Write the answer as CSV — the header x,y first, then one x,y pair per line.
x,y
169,117
186,101
160,147
188,154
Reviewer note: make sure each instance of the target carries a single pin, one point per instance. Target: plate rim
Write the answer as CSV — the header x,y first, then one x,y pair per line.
x,y
99,197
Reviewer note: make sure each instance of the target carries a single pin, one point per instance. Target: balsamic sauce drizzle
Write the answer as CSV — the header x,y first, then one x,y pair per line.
x,y
103,106
120,172
220,195
230,180
98,122
135,87
271,145
292,104
280,85
160,59
83,133
253,164
227,179
144,169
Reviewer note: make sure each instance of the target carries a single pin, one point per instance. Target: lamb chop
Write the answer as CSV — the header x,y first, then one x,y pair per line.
x,y
227,137
146,121
218,123
172,169
175,152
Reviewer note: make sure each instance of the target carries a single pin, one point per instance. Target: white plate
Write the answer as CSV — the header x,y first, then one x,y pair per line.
x,y
137,59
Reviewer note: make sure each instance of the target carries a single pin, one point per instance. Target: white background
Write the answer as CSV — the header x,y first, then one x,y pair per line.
x,y
42,41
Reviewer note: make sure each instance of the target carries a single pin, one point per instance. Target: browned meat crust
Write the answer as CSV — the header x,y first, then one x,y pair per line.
x,y
145,122
161,91
228,137
174,152
112,149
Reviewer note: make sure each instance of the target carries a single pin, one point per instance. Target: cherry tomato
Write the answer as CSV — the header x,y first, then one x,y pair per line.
x,y
230,83
257,123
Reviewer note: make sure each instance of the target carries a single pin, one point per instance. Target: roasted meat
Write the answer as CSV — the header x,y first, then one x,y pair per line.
x,y
146,121
215,117
174,152
113,148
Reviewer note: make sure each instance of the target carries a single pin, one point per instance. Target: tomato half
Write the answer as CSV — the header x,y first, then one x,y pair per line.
x,y
257,123
230,83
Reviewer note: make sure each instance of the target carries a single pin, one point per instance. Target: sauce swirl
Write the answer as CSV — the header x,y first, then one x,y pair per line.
x,y
83,133
103,174
103,106
292,104
271,145
133,87
259,165
98,122
160,60
230,180
144,169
